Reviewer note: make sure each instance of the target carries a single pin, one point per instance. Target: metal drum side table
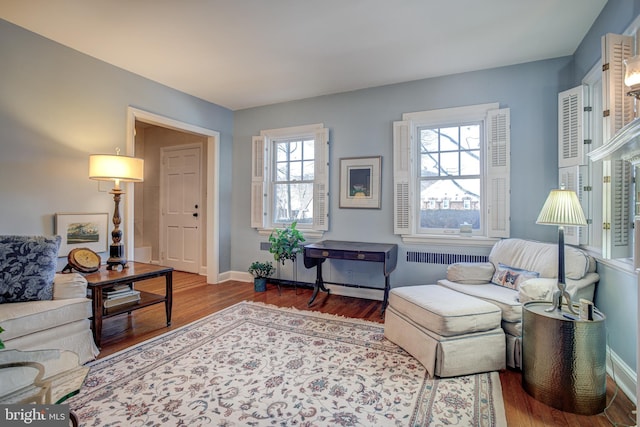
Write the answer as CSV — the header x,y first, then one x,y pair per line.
x,y
564,359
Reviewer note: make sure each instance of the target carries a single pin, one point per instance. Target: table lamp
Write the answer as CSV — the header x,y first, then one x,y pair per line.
x,y
105,167
562,208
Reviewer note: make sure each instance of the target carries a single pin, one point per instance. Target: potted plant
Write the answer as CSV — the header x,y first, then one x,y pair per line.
x,y
261,271
285,243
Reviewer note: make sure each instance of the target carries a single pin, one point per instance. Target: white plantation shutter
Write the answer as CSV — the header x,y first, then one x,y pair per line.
x,y
258,181
402,180
575,178
570,122
321,181
618,111
498,169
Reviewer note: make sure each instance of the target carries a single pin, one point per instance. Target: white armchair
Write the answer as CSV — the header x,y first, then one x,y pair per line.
x,y
519,271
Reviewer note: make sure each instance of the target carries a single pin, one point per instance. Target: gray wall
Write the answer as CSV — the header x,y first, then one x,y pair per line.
x,y
57,106
360,124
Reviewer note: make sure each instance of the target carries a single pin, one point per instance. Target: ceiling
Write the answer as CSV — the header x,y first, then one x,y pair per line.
x,y
247,53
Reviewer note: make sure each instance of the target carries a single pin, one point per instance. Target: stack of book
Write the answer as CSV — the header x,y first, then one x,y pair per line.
x,y
120,296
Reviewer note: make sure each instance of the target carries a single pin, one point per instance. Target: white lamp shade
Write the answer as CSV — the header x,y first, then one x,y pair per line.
x,y
562,208
105,167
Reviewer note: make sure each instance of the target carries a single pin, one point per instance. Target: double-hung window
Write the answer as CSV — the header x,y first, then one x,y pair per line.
x,y
290,178
451,173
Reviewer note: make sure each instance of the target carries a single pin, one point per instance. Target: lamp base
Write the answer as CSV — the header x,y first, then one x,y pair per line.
x,y
116,257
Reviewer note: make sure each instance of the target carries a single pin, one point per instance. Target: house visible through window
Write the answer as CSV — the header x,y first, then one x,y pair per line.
x,y
290,178
450,171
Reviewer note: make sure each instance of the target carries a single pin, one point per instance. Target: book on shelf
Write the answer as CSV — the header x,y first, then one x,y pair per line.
x,y
119,307
134,297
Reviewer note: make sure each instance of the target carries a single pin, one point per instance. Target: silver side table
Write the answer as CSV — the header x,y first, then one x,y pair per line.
x,y
564,359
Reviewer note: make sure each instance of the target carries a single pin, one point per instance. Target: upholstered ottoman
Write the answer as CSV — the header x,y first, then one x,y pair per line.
x,y
450,333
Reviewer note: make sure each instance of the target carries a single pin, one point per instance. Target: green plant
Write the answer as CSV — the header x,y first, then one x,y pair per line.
x,y
1,343
285,243
261,269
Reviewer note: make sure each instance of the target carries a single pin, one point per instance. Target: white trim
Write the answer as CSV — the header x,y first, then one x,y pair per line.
x,y
293,131
446,116
625,377
212,179
450,240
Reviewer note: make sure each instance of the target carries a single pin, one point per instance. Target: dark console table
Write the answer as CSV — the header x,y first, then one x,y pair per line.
x,y
316,253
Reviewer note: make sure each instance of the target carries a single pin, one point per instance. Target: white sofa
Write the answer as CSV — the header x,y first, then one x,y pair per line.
x,y
538,281
61,323
40,309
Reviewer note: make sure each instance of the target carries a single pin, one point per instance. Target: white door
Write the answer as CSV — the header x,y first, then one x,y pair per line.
x,y
181,205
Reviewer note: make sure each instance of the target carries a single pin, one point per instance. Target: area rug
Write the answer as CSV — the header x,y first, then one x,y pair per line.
x,y
256,365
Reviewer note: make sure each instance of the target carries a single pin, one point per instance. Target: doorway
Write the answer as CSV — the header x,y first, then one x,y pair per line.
x,y
142,231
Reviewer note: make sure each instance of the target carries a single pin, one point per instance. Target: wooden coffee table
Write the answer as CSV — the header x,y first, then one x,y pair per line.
x,y
134,272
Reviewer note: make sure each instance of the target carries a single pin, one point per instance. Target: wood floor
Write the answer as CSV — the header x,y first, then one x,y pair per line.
x,y
193,299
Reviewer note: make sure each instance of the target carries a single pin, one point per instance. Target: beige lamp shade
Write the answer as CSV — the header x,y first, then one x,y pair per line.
x,y
562,208
105,167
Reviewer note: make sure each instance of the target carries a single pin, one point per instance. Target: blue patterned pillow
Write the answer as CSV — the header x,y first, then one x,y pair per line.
x,y
27,267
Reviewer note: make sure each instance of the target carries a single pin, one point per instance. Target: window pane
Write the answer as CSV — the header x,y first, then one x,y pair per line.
x,y
295,150
309,153
447,203
470,137
282,151
449,164
449,139
470,162
428,140
282,172
293,202
429,164
308,170
295,169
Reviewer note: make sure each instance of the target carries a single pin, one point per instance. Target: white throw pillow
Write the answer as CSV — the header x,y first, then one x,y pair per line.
x,y
470,273
69,285
537,289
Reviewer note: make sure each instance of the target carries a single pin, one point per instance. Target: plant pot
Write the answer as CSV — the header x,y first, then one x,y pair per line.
x,y
260,284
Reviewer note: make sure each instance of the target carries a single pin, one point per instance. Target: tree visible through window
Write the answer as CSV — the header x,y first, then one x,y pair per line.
x,y
450,176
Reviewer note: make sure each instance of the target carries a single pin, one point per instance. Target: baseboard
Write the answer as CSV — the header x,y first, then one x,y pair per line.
x,y
625,377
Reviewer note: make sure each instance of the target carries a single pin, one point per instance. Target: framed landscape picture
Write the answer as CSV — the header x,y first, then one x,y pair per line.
x,y
360,181
81,230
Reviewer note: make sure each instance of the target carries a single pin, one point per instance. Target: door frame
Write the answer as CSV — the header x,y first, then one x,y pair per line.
x,y
212,180
163,199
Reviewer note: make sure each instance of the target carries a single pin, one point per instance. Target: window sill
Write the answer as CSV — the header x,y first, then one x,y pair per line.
x,y
475,241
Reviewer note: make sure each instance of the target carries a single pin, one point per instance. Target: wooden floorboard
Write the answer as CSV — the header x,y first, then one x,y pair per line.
x,y
193,299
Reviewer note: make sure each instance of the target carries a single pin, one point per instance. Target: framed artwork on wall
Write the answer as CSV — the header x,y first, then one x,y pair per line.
x,y
360,182
81,230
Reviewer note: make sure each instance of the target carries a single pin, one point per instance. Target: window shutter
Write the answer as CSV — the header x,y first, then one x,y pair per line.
x,y
574,178
570,134
321,181
498,168
616,197
258,175
617,106
618,111
402,177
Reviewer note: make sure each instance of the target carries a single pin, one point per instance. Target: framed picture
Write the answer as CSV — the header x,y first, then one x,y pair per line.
x,y
360,182
82,230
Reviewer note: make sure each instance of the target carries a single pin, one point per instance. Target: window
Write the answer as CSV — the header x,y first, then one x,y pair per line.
x,y
290,178
449,171
451,168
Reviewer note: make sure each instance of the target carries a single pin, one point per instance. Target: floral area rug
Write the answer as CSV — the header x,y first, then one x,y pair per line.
x,y
259,365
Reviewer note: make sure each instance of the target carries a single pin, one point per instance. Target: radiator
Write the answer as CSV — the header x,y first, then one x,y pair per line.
x,y
440,258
